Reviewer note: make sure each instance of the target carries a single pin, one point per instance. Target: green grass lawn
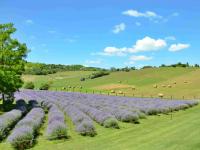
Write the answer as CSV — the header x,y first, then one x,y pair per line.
x,y
154,133
143,80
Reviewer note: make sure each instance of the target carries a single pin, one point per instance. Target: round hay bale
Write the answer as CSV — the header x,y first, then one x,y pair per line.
x,y
155,86
119,81
133,88
69,86
169,86
161,95
185,81
163,85
63,88
112,91
120,92
175,83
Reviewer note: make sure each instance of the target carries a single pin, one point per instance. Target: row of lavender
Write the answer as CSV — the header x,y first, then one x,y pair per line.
x,y
24,132
9,119
105,110
20,125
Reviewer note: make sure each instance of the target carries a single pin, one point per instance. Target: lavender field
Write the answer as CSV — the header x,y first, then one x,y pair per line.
x,y
19,127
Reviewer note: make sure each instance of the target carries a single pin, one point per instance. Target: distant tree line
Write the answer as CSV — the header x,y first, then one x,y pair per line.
x,y
44,69
126,69
179,64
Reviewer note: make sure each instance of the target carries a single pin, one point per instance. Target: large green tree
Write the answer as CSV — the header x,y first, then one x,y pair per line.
x,y
12,62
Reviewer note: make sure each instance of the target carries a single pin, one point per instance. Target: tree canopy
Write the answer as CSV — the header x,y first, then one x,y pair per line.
x,y
12,61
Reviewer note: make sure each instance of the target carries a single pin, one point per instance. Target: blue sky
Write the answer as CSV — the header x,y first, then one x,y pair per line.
x,y
107,33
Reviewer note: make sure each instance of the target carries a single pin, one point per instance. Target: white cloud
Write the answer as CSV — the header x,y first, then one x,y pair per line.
x,y
135,13
119,28
140,58
113,51
178,47
93,62
148,44
138,24
29,21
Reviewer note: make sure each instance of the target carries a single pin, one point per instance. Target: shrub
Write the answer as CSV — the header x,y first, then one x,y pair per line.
x,y
98,74
23,134
22,138
141,115
127,116
86,128
152,111
83,123
82,79
111,123
7,121
124,115
29,85
57,128
103,118
45,86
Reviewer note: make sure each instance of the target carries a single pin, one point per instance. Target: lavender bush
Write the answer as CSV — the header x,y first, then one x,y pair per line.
x,y
82,108
7,121
24,132
83,123
103,118
57,128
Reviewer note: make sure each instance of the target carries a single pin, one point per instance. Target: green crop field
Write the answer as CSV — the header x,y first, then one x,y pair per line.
x,y
176,82
154,133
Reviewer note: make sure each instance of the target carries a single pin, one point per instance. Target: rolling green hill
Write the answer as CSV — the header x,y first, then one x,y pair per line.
x,y
175,131
176,82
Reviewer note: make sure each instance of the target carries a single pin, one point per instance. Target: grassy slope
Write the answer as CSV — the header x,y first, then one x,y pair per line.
x,y
143,80
153,133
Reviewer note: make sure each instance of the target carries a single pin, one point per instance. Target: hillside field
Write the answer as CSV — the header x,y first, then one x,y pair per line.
x,y
179,83
177,130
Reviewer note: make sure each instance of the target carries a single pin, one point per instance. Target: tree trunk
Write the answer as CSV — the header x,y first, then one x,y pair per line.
x,y
3,98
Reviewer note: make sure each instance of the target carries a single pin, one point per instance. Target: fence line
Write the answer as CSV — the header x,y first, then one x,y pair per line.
x,y
142,95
